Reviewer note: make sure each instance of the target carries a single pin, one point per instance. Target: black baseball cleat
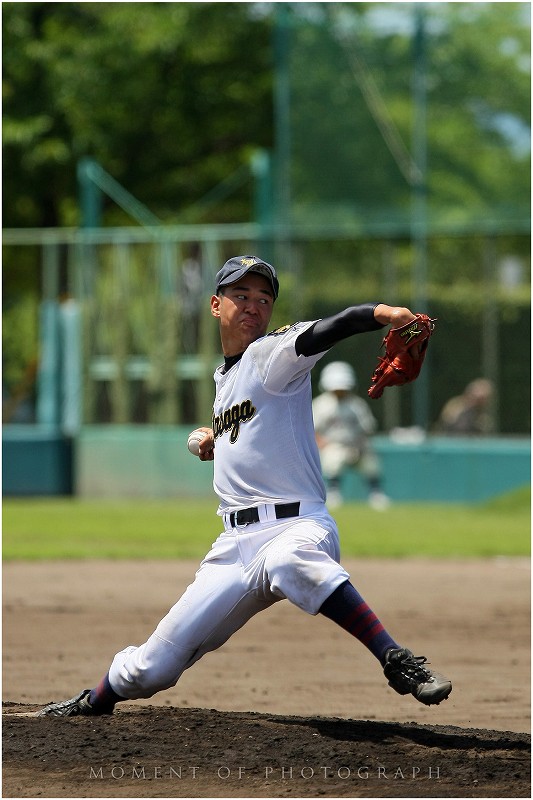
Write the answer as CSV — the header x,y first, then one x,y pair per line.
x,y
78,706
408,675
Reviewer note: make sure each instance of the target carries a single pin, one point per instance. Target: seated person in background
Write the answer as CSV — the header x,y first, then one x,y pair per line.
x,y
344,426
469,413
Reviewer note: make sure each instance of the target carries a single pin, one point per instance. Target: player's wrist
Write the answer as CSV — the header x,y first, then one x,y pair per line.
x,y
396,316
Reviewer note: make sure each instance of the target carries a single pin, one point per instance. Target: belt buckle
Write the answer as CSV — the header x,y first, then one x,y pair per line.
x,y
246,516
240,519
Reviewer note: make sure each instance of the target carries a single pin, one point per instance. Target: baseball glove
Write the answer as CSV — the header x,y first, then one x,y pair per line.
x,y
405,351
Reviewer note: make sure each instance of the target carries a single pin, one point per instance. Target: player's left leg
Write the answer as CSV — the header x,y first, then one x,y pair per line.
x,y
301,562
302,565
347,608
406,672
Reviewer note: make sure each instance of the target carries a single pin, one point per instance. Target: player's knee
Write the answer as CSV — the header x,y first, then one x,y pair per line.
x,y
280,563
149,680
286,572
148,669
304,575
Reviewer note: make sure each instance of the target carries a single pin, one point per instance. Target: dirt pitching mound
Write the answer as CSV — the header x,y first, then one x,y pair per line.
x,y
176,752
302,709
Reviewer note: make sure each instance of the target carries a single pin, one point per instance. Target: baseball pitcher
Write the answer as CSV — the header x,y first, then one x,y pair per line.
x,y
278,539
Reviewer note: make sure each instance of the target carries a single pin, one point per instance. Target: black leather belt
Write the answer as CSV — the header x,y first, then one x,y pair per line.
x,y
247,516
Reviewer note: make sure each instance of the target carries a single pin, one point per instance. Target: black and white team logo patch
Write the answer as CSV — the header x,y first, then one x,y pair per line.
x,y
280,331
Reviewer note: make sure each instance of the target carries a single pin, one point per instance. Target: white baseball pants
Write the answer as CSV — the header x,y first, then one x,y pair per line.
x,y
247,569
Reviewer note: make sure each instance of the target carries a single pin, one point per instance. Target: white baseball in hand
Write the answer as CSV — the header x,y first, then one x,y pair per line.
x,y
193,442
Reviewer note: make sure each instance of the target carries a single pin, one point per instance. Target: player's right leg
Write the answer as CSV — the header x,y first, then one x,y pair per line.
x,y
213,607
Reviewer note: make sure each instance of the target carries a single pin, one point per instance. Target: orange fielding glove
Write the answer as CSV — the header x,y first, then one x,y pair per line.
x,y
405,351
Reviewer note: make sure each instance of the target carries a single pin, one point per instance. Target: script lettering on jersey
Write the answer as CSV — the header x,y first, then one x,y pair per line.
x,y
231,419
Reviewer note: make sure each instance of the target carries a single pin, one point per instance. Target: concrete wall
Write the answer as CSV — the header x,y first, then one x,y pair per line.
x,y
153,461
139,461
36,460
449,469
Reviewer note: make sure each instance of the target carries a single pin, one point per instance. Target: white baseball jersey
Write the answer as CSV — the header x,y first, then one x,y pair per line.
x,y
265,450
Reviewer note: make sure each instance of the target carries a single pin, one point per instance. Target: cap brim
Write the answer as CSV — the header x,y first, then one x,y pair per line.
x,y
259,269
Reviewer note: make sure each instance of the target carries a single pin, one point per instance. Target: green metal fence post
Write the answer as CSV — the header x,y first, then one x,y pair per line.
x,y
261,167
282,132
90,194
47,407
419,207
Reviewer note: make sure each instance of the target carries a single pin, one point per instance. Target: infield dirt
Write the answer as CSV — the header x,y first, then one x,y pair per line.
x,y
290,706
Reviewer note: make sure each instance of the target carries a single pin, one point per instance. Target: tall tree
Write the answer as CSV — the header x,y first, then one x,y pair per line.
x,y
172,98
352,123
169,97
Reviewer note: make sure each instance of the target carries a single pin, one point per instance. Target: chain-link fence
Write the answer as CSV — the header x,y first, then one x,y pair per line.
x,y
114,325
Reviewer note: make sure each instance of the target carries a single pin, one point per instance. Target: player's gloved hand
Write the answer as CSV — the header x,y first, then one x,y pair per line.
x,y
405,351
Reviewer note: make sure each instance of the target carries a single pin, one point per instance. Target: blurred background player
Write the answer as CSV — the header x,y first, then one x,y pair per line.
x,y
344,426
469,414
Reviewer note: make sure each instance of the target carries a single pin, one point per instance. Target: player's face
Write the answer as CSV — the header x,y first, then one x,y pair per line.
x,y
244,312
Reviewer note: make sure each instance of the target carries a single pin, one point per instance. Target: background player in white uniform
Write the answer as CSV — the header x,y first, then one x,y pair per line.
x,y
279,540
344,426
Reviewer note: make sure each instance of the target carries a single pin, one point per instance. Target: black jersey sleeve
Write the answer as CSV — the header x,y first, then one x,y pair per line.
x,y
324,333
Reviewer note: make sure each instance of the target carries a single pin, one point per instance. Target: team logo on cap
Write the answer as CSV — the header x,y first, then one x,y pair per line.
x,y
248,262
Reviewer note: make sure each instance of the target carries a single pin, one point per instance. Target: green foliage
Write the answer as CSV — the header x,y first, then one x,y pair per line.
x,y
64,528
19,335
353,124
172,98
169,97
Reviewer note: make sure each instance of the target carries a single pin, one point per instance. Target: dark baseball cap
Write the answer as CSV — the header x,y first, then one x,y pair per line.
x,y
237,267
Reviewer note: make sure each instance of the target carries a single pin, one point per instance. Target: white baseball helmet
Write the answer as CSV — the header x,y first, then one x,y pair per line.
x,y
337,376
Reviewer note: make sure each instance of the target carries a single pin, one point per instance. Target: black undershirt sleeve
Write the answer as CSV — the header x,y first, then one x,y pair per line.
x,y
327,332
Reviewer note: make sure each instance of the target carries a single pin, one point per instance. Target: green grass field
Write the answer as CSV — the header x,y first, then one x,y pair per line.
x,y
35,529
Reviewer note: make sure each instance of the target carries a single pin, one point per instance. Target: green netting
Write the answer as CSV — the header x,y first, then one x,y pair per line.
x,y
381,125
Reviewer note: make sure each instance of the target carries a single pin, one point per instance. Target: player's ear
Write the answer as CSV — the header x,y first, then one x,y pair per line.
x,y
215,305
